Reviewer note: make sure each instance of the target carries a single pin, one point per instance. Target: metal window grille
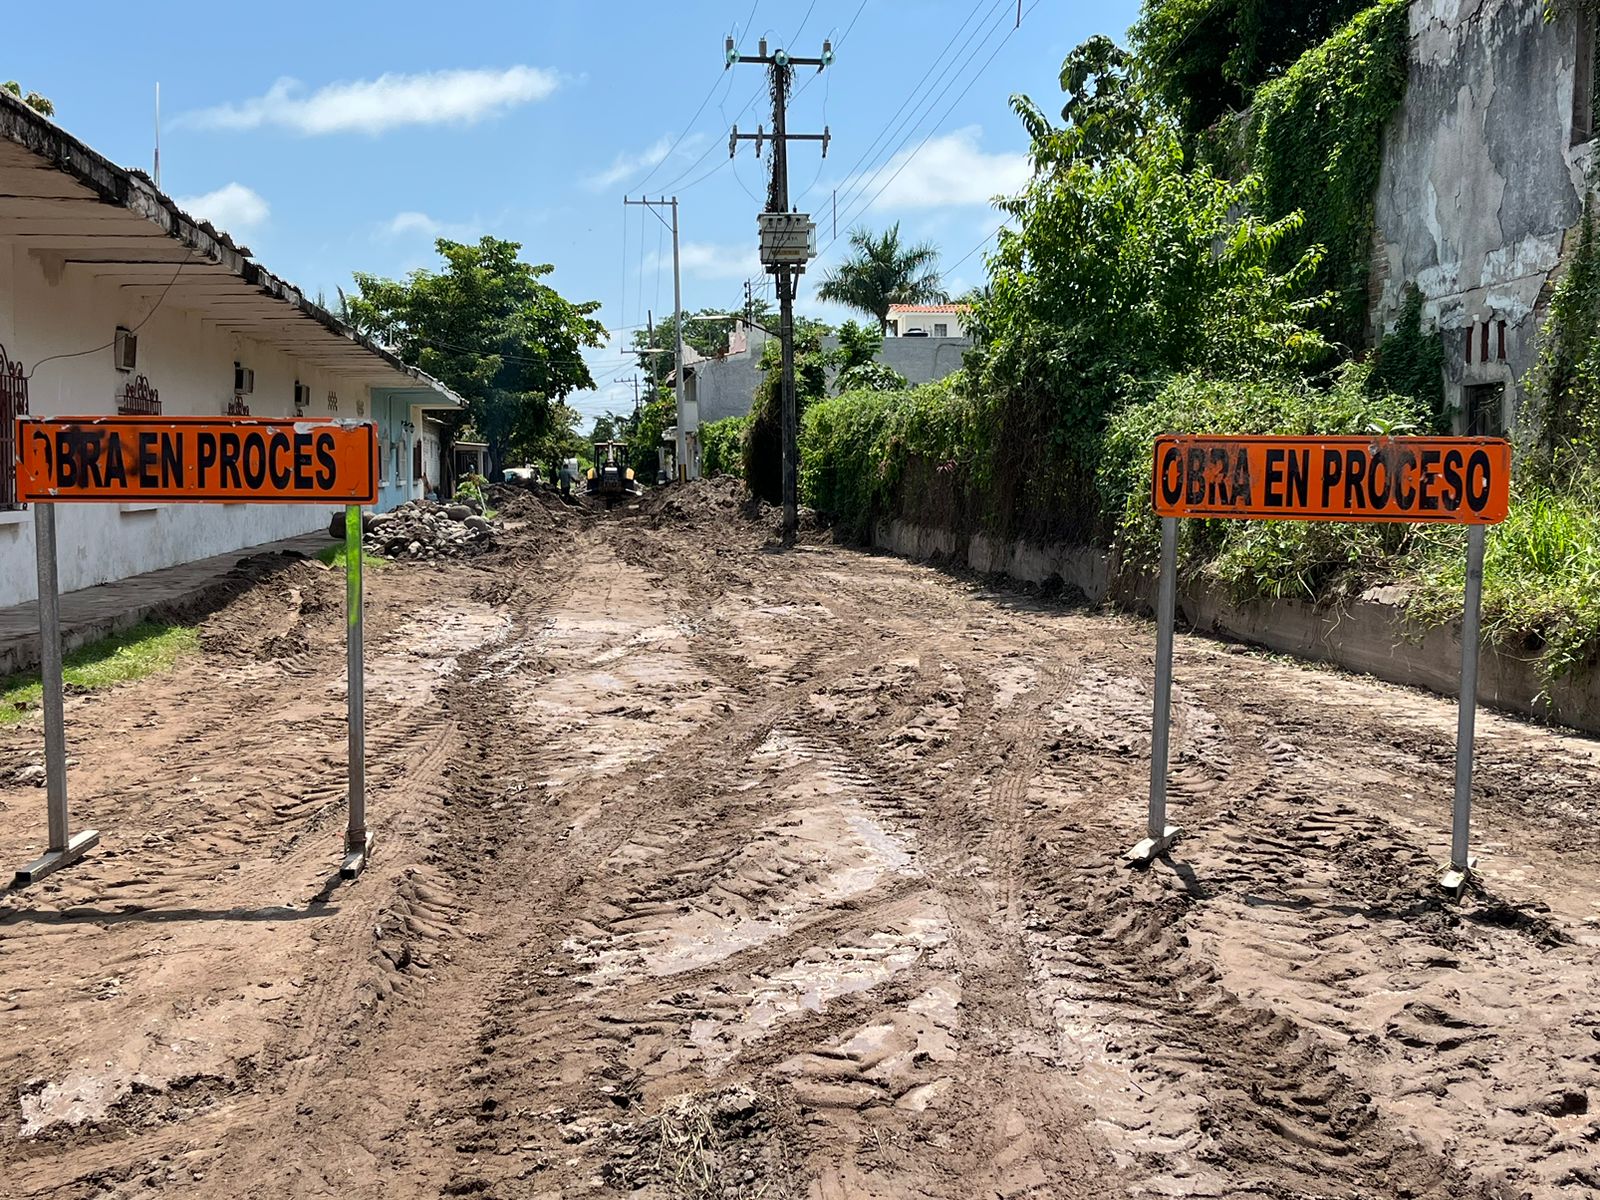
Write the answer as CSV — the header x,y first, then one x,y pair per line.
x,y
237,408
138,398
13,404
1583,77
1485,408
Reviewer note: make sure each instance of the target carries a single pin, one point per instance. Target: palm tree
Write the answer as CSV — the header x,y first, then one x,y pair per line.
x,y
882,272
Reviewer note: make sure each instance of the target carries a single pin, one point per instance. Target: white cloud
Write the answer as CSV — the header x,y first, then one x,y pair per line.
x,y
706,260
626,165
374,105
231,207
951,169
412,222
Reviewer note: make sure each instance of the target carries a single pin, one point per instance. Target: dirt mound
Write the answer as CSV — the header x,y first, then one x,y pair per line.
x,y
276,611
717,500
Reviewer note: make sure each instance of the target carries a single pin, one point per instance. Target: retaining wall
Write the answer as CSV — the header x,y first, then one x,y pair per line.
x,y
1370,636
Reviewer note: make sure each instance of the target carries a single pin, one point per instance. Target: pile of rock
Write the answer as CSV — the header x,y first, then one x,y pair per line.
x,y
423,529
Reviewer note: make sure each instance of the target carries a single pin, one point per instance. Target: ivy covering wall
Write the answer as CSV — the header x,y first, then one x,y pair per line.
x,y
1318,148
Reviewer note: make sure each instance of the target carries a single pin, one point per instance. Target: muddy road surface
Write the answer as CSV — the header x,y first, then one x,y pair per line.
x,y
705,870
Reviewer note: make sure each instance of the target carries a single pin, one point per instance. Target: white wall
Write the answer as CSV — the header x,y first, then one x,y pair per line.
x,y
190,362
900,322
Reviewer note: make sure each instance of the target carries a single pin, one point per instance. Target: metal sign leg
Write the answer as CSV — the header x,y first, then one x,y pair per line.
x,y
357,838
1159,836
63,848
1461,862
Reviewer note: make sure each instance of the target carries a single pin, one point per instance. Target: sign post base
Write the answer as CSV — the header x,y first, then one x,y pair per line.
x,y
355,857
1454,880
1152,848
54,860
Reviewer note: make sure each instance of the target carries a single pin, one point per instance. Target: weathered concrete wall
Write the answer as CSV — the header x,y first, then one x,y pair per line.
x,y
1480,181
1370,636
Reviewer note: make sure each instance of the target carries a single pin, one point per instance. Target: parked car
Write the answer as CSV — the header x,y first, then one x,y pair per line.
x,y
915,333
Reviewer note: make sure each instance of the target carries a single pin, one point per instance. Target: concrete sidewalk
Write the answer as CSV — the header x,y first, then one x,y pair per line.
x,y
92,613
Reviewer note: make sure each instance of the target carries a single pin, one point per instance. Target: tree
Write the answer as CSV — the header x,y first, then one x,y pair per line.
x,y
706,332
609,427
559,441
882,272
856,362
1207,57
1115,272
763,446
490,329
39,104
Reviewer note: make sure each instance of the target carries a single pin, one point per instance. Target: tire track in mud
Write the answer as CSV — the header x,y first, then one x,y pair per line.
x,y
409,751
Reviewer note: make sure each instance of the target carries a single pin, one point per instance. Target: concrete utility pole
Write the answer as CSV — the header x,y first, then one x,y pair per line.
x,y
780,66
688,419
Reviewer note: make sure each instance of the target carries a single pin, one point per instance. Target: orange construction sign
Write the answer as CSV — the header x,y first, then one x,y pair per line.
x,y
1464,481
197,460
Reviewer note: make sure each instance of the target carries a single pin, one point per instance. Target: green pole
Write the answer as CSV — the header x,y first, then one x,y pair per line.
x,y
357,841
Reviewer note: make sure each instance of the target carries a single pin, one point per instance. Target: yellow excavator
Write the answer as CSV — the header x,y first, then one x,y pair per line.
x,y
611,479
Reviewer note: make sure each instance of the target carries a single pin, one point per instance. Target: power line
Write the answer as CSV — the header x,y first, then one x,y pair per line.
x,y
916,89
862,183
711,91
959,97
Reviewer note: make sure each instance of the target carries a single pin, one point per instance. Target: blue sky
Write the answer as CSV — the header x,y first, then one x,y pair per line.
x,y
336,137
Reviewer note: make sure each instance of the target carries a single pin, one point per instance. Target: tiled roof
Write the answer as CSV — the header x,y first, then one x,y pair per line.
x,y
952,309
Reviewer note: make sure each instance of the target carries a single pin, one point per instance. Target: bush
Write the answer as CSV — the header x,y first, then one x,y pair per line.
x,y
1308,560
722,446
866,455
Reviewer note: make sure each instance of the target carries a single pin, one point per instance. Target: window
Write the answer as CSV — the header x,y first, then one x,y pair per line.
x,y
1485,409
1583,77
416,459
13,404
941,330
394,461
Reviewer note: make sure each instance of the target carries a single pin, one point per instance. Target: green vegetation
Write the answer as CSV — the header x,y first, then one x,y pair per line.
x,y
867,455
146,649
1190,258
722,446
1318,148
39,104
336,557
881,271
490,328
1205,58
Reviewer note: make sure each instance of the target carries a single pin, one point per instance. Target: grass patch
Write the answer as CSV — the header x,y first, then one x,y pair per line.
x,y
147,649
336,558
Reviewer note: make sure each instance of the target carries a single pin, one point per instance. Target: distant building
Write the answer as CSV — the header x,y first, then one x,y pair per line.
x,y
1483,181
725,386
928,320
113,300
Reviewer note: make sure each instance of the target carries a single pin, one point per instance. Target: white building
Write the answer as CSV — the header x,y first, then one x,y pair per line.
x,y
100,272
927,320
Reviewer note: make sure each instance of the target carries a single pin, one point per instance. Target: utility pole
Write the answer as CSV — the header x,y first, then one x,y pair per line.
x,y
783,264
688,420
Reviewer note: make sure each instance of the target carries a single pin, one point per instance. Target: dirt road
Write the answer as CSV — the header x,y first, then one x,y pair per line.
x,y
710,871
